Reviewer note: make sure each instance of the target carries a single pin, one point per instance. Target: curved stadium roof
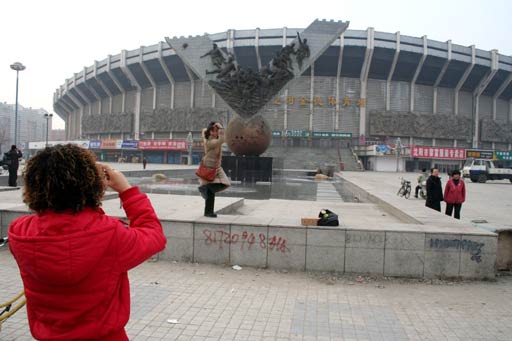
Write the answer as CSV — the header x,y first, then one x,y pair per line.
x,y
393,56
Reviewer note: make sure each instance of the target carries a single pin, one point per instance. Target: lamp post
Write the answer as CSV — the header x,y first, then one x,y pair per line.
x,y
398,147
190,142
47,116
16,67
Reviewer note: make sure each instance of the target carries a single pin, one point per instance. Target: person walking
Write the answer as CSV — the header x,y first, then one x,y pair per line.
x,y
454,194
144,163
434,190
73,258
213,138
13,162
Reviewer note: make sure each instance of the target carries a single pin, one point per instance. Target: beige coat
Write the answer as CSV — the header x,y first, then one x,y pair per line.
x,y
212,159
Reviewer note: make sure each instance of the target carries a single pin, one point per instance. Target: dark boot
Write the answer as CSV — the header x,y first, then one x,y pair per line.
x,y
209,204
204,191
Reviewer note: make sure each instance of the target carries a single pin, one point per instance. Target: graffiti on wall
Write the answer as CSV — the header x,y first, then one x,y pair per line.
x,y
474,248
245,240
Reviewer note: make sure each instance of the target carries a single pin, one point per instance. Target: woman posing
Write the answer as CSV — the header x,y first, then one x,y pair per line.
x,y
213,138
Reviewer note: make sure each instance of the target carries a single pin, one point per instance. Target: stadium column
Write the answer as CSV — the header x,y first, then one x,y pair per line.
x,y
510,119
478,92
76,112
86,99
463,79
117,83
166,71
257,46
441,75
190,75
103,87
97,97
76,120
311,96
338,73
285,102
60,107
363,78
391,72
138,94
498,93
148,74
417,73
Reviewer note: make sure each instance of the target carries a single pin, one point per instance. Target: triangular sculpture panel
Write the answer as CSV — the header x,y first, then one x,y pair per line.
x,y
247,91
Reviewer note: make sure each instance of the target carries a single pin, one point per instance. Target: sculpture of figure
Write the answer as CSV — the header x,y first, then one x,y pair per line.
x,y
302,51
282,58
217,58
227,67
286,52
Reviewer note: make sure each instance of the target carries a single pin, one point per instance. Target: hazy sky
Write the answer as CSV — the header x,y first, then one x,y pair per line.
x,y
56,38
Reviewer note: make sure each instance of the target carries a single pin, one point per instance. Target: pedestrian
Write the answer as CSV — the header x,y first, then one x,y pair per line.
x,y
73,258
421,178
144,163
454,194
213,138
434,190
13,157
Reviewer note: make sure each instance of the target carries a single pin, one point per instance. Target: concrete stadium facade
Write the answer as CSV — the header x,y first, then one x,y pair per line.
x,y
372,85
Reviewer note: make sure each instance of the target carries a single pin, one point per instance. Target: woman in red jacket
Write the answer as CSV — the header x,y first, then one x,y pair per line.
x,y
454,194
73,258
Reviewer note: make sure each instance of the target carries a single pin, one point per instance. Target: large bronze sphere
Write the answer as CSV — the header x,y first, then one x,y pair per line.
x,y
248,136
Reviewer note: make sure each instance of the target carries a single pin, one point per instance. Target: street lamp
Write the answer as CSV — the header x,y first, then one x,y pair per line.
x,y
47,117
16,67
190,142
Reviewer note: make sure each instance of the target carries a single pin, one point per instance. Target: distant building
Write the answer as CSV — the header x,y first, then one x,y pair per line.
x,y
31,125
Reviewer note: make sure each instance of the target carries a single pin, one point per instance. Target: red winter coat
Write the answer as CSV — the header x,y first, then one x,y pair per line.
x,y
74,267
455,194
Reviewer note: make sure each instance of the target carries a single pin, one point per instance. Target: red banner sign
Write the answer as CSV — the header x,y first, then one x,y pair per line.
x,y
423,152
163,144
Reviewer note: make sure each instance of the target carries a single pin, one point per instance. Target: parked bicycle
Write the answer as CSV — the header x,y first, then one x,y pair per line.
x,y
405,189
9,308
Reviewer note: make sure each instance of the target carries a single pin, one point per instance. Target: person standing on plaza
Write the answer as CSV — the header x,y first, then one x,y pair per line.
x,y
144,163
213,138
454,194
434,190
13,162
73,258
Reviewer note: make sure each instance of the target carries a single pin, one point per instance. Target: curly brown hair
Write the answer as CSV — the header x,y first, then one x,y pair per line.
x,y
63,177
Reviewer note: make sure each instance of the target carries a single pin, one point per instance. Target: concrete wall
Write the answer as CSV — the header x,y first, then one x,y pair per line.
x,y
405,250
402,253
386,163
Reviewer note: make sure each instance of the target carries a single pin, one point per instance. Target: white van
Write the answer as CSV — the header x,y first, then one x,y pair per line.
x,y
481,170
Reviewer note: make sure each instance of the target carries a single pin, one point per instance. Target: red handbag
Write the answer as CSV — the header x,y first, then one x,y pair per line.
x,y
206,173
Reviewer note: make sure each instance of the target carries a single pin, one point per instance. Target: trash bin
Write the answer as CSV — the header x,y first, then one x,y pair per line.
x,y
330,170
342,165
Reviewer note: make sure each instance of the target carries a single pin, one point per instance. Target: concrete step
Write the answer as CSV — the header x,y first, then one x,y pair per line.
x,y
327,192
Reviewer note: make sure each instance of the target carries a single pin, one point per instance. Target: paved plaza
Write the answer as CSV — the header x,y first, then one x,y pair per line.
x,y
189,301
206,302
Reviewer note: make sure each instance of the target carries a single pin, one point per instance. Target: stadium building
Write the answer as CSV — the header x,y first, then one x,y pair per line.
x,y
368,89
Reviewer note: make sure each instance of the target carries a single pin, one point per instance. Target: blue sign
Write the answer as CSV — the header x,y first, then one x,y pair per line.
x,y
331,134
130,144
504,155
297,133
277,133
94,144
